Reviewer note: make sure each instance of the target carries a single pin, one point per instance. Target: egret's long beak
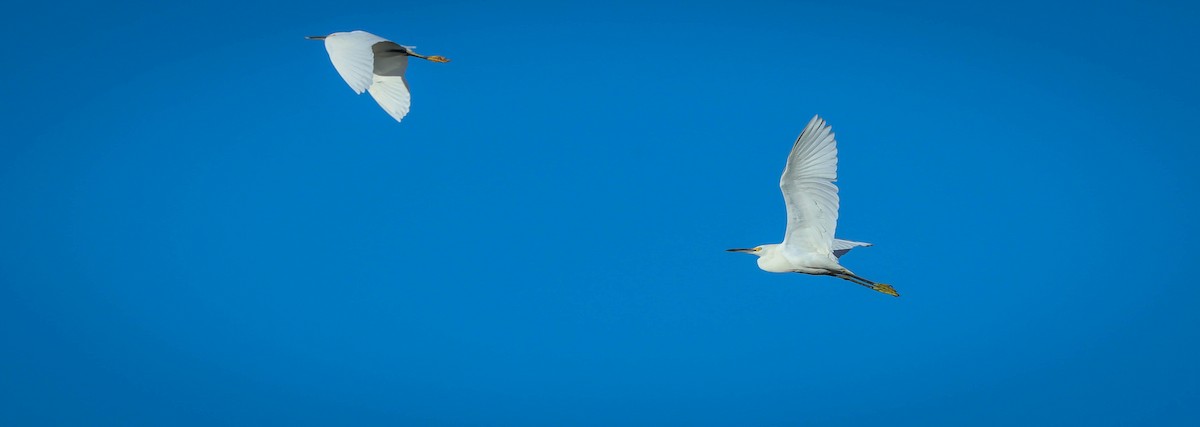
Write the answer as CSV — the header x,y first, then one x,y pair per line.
x,y
747,250
315,37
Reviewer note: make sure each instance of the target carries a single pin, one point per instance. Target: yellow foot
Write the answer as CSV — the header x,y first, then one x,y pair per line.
x,y
887,289
436,58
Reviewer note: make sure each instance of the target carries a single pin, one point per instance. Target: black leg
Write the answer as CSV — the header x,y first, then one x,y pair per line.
x,y
878,287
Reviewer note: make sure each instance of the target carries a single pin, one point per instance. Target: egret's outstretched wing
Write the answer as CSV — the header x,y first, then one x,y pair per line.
x,y
353,57
808,191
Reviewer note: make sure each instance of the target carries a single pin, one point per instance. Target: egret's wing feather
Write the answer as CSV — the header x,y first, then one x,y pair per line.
x,y
388,87
840,247
353,57
809,192
391,92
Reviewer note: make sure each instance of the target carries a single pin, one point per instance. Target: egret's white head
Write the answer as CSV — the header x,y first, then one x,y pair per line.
x,y
757,250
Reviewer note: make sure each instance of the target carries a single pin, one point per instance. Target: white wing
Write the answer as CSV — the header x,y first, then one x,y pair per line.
x,y
371,63
808,191
391,92
353,57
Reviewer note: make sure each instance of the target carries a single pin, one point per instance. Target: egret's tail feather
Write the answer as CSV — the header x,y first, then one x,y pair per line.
x,y
840,247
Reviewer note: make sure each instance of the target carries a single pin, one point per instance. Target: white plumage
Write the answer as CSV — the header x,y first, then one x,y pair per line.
x,y
369,63
812,209
808,190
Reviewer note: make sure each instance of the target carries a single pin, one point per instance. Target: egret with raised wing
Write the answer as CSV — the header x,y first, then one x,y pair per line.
x,y
374,64
812,209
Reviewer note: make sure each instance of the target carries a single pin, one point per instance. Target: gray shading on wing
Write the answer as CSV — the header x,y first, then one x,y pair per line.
x,y
391,59
809,192
389,87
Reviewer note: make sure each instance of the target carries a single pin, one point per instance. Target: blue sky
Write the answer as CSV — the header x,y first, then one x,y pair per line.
x,y
202,224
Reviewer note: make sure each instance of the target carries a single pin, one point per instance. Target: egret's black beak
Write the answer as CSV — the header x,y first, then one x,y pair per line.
x,y
315,37
740,250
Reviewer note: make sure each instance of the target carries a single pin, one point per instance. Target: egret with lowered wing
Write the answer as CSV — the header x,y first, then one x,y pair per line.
x,y
374,64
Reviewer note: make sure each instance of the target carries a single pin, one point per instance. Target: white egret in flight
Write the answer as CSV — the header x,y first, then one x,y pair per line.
x,y
374,64
812,208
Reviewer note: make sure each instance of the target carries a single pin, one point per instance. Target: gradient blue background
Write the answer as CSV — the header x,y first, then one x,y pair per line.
x,y
201,224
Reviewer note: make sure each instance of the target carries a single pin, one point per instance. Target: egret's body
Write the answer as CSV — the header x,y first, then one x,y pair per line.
x,y
369,63
812,206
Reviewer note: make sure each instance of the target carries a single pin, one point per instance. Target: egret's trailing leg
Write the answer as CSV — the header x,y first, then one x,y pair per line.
x,y
878,287
853,280
434,58
881,287
885,288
